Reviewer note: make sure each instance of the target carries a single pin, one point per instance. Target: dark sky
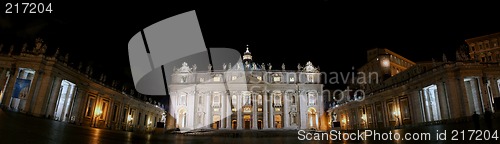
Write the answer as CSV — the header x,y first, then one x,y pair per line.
x,y
333,35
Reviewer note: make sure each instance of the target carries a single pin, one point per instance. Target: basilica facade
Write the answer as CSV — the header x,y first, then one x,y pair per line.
x,y
246,95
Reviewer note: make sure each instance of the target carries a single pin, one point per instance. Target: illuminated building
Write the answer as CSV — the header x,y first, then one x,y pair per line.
x,y
43,85
485,48
260,97
426,91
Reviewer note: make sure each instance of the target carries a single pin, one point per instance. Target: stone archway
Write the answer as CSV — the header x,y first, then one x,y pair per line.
x,y
181,118
312,118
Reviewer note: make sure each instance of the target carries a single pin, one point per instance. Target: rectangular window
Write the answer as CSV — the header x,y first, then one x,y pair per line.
x,y
234,77
310,78
103,110
379,113
217,78
292,79
276,78
115,113
405,109
369,114
145,119
139,120
124,116
90,106
277,99
390,111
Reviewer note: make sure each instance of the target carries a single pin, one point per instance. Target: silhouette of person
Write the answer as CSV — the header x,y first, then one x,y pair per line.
x,y
475,119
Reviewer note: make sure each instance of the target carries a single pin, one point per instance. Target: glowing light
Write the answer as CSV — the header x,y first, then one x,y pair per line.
x,y
385,63
98,112
129,118
363,117
343,121
396,113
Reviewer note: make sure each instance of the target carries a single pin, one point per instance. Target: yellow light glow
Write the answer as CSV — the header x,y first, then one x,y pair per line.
x,y
98,111
363,117
129,118
396,113
385,63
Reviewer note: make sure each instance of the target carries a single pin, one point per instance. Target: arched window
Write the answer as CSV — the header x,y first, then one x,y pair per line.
x,y
182,98
216,99
234,100
277,99
312,98
259,99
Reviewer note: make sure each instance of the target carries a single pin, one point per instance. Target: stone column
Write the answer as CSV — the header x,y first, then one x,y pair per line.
x,y
265,113
494,88
239,121
443,101
7,96
53,97
286,111
33,94
454,97
228,111
271,109
41,100
254,111
208,110
222,110
462,95
487,104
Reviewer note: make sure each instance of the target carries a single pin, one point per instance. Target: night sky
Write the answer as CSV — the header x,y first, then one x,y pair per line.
x,y
332,35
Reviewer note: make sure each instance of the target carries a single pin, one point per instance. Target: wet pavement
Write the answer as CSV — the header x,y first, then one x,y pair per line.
x,y
20,128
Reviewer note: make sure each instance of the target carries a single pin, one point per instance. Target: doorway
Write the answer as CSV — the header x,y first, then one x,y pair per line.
x,y
21,88
259,124
233,124
64,101
277,120
216,120
247,121
312,118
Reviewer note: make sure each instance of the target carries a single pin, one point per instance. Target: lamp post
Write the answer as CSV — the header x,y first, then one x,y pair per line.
x,y
129,121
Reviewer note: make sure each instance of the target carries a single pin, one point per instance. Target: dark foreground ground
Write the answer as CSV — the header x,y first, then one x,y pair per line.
x,y
20,128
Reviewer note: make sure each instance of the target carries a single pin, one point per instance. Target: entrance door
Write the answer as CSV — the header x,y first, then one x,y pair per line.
x,y
259,124
65,101
234,124
277,119
247,123
216,120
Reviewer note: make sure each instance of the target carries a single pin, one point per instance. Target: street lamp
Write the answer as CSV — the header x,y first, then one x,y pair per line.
x,y
129,121
98,113
396,114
